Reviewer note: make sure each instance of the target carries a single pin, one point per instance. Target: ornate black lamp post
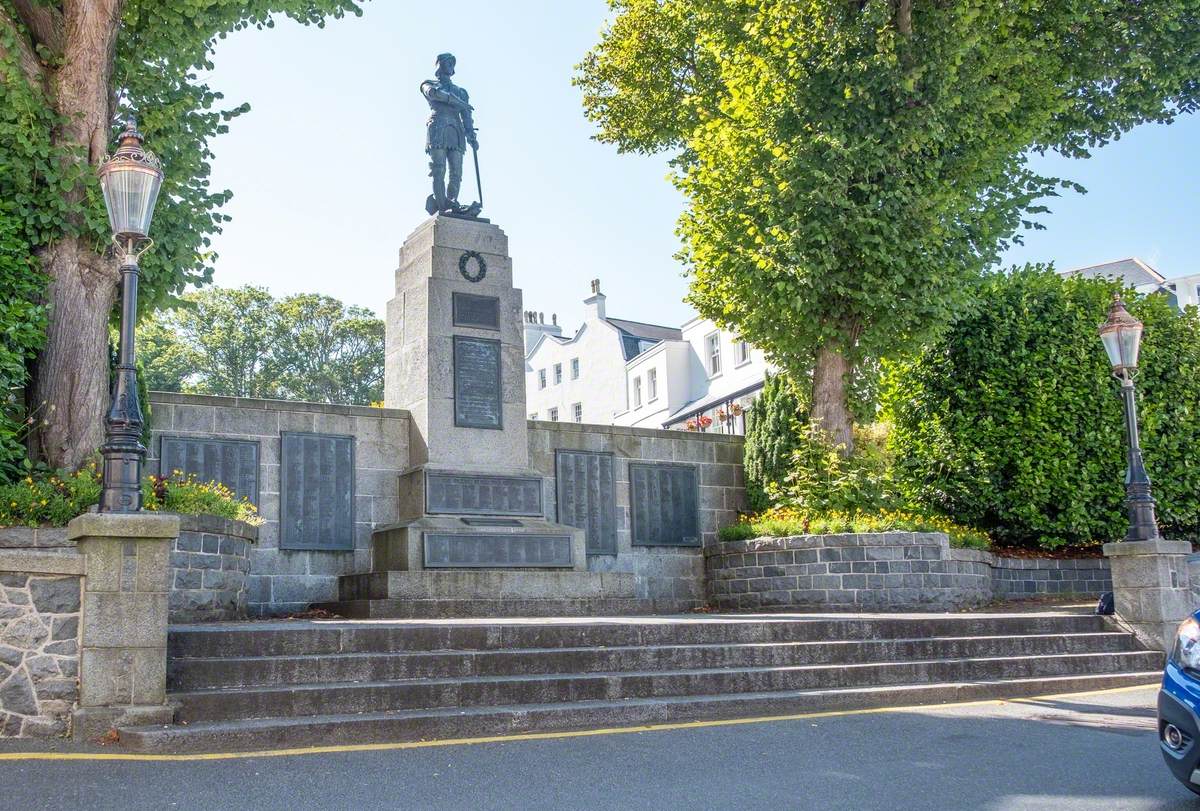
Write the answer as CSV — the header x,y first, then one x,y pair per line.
x,y
130,180
1122,336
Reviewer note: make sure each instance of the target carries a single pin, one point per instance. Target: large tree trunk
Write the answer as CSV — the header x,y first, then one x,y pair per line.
x,y
830,401
72,369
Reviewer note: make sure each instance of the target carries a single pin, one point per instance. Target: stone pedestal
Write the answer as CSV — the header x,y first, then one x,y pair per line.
x,y
455,359
1151,587
472,523
123,626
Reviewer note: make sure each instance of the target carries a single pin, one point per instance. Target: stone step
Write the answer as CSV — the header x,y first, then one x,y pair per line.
x,y
486,584
205,673
465,722
453,608
293,700
295,638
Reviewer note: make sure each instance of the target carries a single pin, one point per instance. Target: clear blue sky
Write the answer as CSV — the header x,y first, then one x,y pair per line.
x,y
329,173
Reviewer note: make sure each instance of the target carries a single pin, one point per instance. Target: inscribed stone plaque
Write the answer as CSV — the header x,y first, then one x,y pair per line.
x,y
664,504
232,462
477,383
463,550
586,490
470,310
316,499
457,494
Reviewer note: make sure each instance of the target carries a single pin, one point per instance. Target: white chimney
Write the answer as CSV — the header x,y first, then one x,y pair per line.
x,y
595,302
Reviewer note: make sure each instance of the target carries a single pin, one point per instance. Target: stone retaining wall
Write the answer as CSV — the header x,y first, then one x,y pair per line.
x,y
883,571
39,641
1014,578
661,572
210,561
283,580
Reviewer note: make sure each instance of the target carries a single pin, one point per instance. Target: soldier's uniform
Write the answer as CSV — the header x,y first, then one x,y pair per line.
x,y
448,131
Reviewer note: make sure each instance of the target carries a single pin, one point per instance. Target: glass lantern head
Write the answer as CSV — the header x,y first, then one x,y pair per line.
x,y
130,180
1122,337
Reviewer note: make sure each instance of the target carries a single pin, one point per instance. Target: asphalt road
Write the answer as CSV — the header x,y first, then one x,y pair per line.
x,y
1090,751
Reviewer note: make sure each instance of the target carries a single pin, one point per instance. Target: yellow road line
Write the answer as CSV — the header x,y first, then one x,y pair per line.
x,y
542,736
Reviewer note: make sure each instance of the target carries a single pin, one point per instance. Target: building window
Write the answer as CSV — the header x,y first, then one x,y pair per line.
x,y
557,373
637,392
574,368
712,349
554,415
541,378
652,385
577,410
742,353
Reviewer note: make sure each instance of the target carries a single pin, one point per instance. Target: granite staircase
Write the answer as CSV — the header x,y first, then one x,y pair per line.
x,y
299,684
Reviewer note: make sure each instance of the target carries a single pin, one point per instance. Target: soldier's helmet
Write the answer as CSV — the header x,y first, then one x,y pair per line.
x,y
445,64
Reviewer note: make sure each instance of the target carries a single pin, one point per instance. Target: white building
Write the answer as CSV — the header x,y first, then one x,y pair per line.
x,y
1182,291
614,371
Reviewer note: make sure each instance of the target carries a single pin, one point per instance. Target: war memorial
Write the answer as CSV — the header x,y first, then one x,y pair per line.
x,y
515,575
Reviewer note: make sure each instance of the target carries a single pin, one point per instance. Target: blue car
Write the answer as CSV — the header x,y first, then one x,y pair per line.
x,y
1179,705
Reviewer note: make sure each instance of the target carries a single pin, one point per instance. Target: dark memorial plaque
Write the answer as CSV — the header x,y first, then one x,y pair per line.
x,y
459,494
470,310
664,505
493,550
586,490
316,499
231,462
477,383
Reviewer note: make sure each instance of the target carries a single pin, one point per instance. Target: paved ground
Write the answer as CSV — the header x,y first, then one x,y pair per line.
x,y
1088,751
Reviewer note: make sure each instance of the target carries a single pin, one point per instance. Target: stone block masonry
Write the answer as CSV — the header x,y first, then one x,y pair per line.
x,y
883,571
661,572
210,561
282,580
123,627
39,642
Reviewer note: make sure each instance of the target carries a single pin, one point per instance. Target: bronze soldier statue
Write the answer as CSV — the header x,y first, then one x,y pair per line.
x,y
449,130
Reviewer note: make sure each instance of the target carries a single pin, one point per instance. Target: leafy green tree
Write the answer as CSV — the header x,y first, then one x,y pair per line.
x,y
773,433
849,167
1010,422
327,352
244,343
68,71
227,336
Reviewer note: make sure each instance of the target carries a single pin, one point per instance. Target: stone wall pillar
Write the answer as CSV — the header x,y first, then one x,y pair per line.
x,y
123,627
1151,587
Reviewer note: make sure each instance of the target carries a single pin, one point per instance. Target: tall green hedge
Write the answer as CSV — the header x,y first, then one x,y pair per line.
x,y
1011,422
774,431
22,332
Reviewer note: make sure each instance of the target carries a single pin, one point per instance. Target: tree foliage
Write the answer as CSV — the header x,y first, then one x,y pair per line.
x,y
850,166
1011,421
244,343
773,432
22,331
68,73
